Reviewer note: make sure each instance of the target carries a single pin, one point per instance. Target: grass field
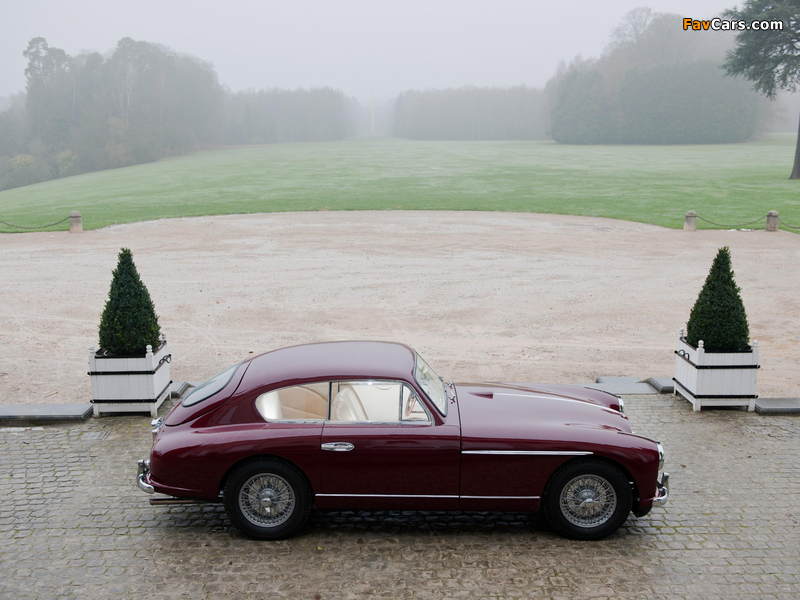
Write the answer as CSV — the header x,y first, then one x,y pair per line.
x,y
728,184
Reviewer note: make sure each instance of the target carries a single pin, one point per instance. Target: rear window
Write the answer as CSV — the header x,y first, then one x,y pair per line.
x,y
210,386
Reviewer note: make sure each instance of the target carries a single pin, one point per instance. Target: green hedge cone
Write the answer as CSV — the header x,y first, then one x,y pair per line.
x,y
718,317
129,322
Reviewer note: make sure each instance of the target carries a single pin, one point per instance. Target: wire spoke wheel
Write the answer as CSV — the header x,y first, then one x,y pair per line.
x,y
267,500
588,501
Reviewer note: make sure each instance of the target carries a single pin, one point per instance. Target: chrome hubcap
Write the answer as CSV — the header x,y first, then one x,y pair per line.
x,y
588,501
266,500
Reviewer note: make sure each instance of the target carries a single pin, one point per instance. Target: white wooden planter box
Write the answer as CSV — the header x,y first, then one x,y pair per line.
x,y
130,384
716,378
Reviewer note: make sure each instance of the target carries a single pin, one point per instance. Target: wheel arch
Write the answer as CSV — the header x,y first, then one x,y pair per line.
x,y
255,457
635,498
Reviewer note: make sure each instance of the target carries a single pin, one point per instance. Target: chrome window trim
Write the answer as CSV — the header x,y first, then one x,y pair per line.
x,y
395,423
300,421
414,376
528,452
421,403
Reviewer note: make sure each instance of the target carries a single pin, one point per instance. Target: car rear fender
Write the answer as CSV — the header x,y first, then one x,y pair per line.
x,y
224,481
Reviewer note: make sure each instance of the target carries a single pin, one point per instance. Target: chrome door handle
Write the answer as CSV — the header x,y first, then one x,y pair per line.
x,y
338,446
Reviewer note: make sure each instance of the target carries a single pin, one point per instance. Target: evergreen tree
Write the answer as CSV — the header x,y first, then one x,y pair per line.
x,y
718,317
129,322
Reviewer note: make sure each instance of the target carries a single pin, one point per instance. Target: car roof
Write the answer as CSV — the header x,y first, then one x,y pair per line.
x,y
331,360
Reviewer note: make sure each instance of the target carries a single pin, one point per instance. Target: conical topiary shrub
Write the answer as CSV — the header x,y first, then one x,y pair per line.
x,y
718,317
129,322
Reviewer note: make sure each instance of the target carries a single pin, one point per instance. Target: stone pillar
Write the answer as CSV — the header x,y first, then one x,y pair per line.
x,y
690,221
772,221
75,222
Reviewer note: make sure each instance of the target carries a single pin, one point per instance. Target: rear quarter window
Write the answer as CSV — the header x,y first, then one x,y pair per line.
x,y
210,386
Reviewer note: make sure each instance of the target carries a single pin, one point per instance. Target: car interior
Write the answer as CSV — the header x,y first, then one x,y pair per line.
x,y
353,401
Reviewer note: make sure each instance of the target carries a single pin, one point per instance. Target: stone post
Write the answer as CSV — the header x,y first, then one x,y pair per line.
x,y
690,221
75,222
772,221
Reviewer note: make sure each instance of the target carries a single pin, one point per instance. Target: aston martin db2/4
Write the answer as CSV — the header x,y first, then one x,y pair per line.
x,y
369,425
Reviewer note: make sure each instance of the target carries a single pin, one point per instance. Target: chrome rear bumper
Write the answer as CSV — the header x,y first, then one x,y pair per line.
x,y
662,490
141,481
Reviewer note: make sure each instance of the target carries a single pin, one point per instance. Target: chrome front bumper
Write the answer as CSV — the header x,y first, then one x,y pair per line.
x,y
143,470
662,491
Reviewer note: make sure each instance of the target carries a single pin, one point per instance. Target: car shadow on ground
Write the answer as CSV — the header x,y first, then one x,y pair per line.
x,y
212,518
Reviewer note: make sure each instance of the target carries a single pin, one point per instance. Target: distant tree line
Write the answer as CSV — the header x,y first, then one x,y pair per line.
x,y
471,113
139,103
91,112
654,84
267,116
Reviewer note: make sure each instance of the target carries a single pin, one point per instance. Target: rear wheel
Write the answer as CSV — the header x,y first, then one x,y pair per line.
x,y
587,499
267,499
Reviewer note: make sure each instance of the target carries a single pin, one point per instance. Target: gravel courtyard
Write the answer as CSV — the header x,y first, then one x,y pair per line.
x,y
74,525
491,296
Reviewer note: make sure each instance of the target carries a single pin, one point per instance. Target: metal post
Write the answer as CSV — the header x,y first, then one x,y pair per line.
x,y
75,222
772,221
690,221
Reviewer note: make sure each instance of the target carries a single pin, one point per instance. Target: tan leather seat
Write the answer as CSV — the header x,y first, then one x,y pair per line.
x,y
347,407
305,401
269,406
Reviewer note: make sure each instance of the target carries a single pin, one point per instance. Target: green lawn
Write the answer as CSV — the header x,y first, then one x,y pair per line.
x,y
728,184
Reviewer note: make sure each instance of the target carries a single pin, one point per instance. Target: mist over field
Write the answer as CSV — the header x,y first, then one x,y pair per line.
x,y
87,87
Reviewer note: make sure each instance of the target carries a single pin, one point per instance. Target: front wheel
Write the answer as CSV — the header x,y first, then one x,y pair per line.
x,y
587,499
267,499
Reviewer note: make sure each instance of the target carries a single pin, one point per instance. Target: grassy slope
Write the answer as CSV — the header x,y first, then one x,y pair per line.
x,y
653,184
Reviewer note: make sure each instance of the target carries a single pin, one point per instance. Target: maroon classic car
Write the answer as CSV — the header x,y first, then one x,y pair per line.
x,y
369,425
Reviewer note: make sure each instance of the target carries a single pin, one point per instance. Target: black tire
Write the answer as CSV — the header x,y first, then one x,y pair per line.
x,y
268,478
588,479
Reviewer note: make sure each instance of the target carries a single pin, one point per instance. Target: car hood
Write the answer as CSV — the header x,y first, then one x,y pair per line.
x,y
535,413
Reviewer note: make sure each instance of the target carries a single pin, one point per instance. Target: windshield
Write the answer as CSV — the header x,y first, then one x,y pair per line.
x,y
210,386
431,384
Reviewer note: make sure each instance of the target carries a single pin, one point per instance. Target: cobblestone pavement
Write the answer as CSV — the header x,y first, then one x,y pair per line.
x,y
73,524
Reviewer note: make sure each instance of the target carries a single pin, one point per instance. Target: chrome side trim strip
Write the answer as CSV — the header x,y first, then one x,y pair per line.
x,y
427,496
500,497
382,496
529,452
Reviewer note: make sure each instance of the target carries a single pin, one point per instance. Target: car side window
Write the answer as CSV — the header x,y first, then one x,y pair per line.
x,y
307,402
412,408
375,402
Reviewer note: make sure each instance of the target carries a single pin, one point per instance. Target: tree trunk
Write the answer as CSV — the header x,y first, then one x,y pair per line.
x,y
796,169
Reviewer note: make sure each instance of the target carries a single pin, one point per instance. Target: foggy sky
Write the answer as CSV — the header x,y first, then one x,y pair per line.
x,y
362,47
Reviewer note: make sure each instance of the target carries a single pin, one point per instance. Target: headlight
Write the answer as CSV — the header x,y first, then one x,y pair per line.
x,y
660,455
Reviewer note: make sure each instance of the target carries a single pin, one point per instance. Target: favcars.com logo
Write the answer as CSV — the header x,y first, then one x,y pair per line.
x,y
718,24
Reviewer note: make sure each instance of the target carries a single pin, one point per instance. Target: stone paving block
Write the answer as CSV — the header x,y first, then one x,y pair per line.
x,y
663,385
44,412
178,388
75,525
778,406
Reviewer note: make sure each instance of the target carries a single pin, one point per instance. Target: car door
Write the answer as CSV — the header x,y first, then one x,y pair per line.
x,y
382,448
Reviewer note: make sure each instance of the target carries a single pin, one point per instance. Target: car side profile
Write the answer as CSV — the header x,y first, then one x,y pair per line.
x,y
369,425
